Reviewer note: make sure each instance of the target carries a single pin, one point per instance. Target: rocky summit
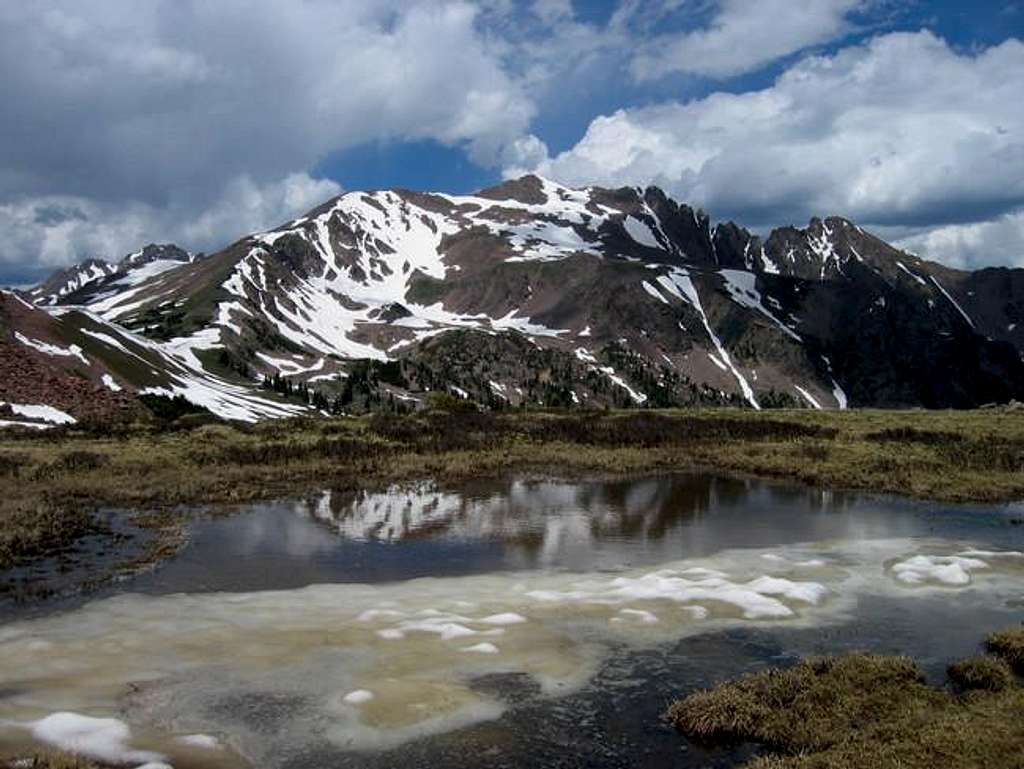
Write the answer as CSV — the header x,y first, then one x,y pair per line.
x,y
526,294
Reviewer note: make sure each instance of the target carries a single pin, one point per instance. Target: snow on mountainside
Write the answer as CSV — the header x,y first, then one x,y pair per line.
x,y
79,284
66,364
531,292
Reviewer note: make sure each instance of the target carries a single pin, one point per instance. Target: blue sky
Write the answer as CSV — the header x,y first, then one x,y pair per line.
x,y
430,165
127,123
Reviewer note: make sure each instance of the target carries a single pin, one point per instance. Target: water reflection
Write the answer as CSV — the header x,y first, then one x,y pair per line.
x,y
422,530
298,633
544,523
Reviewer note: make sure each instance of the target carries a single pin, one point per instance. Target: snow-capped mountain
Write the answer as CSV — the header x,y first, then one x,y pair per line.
x,y
81,283
531,292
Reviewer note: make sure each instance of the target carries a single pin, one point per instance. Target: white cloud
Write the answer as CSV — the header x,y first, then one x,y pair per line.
x,y
972,245
159,95
551,11
744,35
900,131
156,107
60,229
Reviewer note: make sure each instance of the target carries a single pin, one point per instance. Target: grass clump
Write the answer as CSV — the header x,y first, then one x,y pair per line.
x,y
33,529
864,711
1008,645
803,708
986,673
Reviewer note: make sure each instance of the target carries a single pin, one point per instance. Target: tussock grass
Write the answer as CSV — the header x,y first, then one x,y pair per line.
x,y
988,673
864,711
30,529
1009,646
804,708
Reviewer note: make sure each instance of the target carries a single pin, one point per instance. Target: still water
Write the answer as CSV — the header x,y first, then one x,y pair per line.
x,y
500,623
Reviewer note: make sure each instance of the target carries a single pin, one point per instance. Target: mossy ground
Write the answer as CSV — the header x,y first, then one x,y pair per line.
x,y
864,711
54,481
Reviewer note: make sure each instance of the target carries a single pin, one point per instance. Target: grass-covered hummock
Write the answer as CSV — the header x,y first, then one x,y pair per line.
x,y
1009,645
864,711
988,673
805,707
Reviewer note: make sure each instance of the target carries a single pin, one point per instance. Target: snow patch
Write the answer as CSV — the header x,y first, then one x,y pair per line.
x,y
482,648
915,276
654,292
639,615
640,232
101,739
204,741
952,570
742,288
808,397
41,412
952,301
681,284
358,697
74,351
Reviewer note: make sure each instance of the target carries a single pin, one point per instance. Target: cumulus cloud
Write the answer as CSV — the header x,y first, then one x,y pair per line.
x,y
744,35
128,122
164,105
58,229
972,245
902,130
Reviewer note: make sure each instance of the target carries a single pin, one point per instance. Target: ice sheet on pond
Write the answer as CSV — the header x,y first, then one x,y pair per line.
x,y
371,666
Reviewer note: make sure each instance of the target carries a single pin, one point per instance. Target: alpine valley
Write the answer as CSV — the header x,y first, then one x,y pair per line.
x,y
528,293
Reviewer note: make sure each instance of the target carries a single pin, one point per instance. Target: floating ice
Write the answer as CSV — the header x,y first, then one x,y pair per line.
x,y
358,697
101,739
647,617
508,618
205,741
318,653
755,599
945,569
482,648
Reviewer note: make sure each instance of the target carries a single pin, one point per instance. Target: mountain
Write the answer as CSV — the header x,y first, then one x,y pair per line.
x,y
531,293
83,283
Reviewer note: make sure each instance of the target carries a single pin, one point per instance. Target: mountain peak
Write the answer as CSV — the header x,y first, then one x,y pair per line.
x,y
529,189
532,292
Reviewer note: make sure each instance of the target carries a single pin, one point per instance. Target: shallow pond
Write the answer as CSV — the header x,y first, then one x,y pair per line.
x,y
499,623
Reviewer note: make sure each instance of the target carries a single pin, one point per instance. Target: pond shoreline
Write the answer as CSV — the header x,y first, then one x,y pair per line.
x,y
61,482
319,630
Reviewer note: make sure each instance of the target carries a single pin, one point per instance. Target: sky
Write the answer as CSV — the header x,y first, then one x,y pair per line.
x,y
126,122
